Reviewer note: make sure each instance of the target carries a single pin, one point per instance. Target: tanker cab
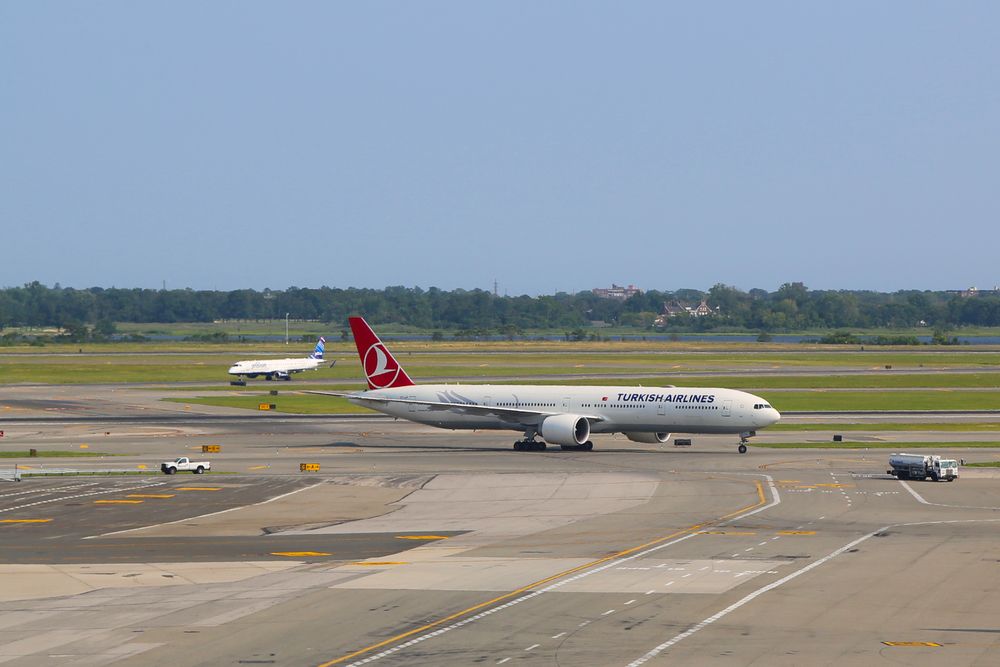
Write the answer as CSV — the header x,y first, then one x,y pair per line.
x,y
947,469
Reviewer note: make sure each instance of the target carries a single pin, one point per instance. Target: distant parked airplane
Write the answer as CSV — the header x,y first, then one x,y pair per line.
x,y
278,369
562,415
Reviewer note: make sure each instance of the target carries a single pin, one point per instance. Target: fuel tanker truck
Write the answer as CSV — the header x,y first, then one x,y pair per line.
x,y
920,467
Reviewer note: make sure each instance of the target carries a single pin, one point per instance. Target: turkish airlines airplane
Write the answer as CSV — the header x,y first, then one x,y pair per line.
x,y
561,415
279,369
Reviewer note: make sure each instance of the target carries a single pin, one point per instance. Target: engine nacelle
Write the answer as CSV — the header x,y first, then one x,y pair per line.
x,y
648,438
566,430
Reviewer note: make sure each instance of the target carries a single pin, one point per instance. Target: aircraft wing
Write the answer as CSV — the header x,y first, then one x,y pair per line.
x,y
513,415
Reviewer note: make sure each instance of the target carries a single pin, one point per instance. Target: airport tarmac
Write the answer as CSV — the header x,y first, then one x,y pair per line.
x,y
415,546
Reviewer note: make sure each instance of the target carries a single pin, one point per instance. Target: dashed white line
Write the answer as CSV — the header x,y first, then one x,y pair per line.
x,y
609,611
500,662
202,516
558,636
736,605
630,601
81,495
532,647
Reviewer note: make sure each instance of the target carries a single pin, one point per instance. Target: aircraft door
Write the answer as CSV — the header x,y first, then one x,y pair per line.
x,y
565,403
727,408
411,407
661,409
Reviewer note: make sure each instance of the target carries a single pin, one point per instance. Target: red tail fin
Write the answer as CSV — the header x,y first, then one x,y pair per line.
x,y
381,368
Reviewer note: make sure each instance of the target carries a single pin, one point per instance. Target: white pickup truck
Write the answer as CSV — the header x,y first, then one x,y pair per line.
x,y
184,463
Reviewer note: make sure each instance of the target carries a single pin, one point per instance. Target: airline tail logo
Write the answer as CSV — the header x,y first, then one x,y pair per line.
x,y
320,348
381,369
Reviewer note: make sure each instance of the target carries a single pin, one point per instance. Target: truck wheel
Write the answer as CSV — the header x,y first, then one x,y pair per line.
x,y
199,470
170,471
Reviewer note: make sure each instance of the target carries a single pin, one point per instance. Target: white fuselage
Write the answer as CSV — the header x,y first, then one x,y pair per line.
x,y
610,409
271,366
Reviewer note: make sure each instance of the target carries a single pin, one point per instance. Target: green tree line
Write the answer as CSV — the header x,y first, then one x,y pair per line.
x,y
792,307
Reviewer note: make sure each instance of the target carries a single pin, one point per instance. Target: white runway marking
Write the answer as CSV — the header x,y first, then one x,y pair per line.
x,y
925,502
562,582
769,587
736,605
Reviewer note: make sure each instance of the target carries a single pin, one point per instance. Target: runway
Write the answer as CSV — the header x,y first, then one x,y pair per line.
x,y
419,546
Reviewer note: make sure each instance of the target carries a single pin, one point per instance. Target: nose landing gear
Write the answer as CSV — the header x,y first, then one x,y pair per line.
x,y
744,439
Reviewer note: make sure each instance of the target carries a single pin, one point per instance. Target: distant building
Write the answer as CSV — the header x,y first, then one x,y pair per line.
x,y
675,308
975,291
616,292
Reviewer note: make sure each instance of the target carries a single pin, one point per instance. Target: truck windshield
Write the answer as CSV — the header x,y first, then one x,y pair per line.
x,y
949,464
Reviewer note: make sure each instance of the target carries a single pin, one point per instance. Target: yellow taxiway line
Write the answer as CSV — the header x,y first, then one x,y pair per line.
x,y
299,554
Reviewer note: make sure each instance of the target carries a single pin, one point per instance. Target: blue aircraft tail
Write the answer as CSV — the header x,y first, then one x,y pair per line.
x,y
320,347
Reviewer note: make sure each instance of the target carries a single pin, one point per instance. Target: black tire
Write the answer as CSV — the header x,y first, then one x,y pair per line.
x,y
199,470
587,446
742,449
170,471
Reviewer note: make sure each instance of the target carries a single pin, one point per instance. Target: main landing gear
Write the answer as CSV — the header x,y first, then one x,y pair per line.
x,y
744,439
531,445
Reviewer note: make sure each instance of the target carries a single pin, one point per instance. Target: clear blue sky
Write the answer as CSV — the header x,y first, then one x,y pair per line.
x,y
551,146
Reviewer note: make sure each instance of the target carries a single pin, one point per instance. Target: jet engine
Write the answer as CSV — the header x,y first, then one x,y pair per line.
x,y
567,430
648,438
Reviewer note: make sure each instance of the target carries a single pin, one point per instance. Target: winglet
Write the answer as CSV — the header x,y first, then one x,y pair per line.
x,y
381,368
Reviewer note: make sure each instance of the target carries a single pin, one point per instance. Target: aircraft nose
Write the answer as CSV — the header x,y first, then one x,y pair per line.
x,y
775,416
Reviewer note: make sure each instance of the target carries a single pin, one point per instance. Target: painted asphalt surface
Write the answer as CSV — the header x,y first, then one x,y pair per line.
x,y
627,555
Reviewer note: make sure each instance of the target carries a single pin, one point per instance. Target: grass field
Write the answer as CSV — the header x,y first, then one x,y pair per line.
x,y
302,404
898,446
207,363
868,427
834,382
51,453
